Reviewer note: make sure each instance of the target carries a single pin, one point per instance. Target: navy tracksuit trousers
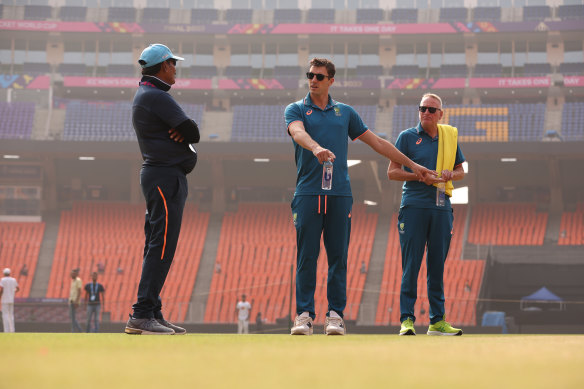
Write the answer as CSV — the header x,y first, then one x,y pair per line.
x,y
165,190
329,216
430,230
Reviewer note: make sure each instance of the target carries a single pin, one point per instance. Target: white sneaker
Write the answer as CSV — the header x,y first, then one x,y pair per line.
x,y
334,324
302,325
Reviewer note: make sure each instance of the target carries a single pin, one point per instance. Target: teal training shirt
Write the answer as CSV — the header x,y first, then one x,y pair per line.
x,y
418,146
331,129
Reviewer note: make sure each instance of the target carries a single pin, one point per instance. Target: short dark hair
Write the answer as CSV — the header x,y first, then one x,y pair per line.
x,y
154,69
320,62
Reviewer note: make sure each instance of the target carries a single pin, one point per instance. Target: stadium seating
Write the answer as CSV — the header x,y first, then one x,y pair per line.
x,y
448,71
491,123
72,69
571,11
536,12
121,70
572,227
37,12
17,120
404,15
572,117
71,13
238,71
122,14
156,15
287,71
204,15
257,249
238,16
507,224
320,15
488,70
537,69
453,14
35,68
405,71
282,15
486,14
107,121
368,71
253,123
369,15
20,243
462,281
571,68
203,71
112,234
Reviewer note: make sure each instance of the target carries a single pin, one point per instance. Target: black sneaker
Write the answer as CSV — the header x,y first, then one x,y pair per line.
x,y
177,330
146,327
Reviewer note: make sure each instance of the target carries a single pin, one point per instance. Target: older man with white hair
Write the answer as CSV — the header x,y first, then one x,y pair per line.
x,y
8,287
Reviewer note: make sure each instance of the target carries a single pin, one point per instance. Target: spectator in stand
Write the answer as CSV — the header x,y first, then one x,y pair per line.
x,y
8,287
94,298
24,270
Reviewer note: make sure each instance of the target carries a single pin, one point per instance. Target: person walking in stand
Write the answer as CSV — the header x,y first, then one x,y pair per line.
x,y
94,298
166,136
322,204
75,299
8,287
242,310
426,217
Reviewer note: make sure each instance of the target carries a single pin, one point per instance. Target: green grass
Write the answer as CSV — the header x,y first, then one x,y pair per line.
x,y
282,361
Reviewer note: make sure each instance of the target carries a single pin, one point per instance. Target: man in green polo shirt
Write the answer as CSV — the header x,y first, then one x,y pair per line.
x,y
320,128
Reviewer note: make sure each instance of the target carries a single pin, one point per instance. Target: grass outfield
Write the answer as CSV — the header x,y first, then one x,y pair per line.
x,y
34,360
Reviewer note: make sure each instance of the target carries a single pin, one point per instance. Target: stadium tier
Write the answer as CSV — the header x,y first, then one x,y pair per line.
x,y
17,120
107,121
511,224
257,249
572,117
20,243
110,235
462,280
489,122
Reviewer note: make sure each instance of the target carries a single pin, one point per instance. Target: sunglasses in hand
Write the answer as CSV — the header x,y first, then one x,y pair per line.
x,y
319,77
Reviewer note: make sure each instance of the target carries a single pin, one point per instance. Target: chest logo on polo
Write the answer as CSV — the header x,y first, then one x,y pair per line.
x,y
419,141
337,111
402,227
309,112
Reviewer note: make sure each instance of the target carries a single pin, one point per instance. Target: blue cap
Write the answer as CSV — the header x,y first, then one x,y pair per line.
x,y
155,54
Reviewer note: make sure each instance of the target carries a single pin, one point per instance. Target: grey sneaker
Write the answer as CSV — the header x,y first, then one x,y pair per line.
x,y
334,324
177,330
302,325
146,327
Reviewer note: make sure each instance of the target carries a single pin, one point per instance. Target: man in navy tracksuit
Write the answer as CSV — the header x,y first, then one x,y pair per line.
x,y
320,128
423,223
165,135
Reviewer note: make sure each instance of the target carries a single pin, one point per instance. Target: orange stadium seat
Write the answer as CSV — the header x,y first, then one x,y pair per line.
x,y
20,243
572,227
462,280
112,233
257,248
507,224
